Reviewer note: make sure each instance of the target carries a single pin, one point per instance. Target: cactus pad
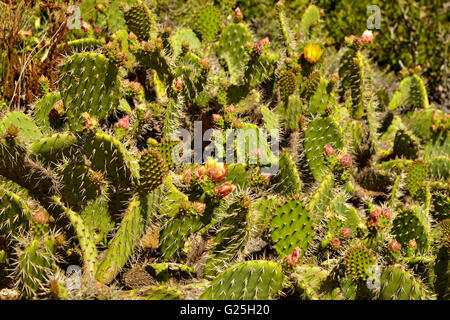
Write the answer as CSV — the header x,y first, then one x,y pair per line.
x,y
291,227
251,280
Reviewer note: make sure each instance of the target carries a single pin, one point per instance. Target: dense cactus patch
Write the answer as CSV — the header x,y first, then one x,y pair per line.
x,y
142,152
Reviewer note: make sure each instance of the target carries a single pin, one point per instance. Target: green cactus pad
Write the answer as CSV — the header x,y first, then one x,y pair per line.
x,y
42,109
287,179
14,212
399,284
91,84
251,280
28,131
176,40
140,21
406,145
56,147
125,240
231,237
309,18
309,281
291,112
153,170
292,227
322,196
163,293
207,22
418,97
311,85
411,224
357,261
232,43
439,167
319,133
416,174
175,233
85,239
287,84
35,261
109,156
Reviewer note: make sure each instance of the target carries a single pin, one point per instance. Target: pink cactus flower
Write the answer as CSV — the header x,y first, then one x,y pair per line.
x,y
85,26
265,41
258,47
329,150
218,172
97,30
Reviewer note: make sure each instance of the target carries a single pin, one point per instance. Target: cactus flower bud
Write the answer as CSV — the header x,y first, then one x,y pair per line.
x,y
132,36
200,173
85,26
216,117
412,243
187,176
374,218
329,150
265,177
394,245
386,213
224,190
335,243
179,84
40,217
238,14
231,108
345,233
124,122
24,34
57,110
279,4
346,162
199,207
367,37
292,258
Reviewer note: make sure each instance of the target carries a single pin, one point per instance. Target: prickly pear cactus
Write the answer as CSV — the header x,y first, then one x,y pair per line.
x,y
200,150
292,227
253,280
